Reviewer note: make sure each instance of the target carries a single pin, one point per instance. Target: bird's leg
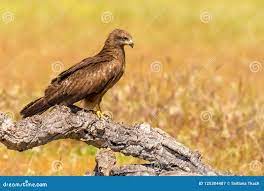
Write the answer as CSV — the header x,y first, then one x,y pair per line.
x,y
102,114
99,112
95,106
91,106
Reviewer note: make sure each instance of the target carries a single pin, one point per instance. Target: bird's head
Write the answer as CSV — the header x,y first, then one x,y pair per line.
x,y
120,38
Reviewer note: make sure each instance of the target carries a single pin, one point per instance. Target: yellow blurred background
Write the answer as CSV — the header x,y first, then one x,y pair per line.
x,y
196,71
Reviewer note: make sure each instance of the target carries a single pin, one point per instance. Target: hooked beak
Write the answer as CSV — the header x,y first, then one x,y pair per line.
x,y
130,43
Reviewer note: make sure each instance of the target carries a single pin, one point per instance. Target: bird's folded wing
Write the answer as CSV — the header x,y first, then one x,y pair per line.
x,y
84,63
80,84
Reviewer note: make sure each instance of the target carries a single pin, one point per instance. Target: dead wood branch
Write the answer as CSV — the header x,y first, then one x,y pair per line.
x,y
165,154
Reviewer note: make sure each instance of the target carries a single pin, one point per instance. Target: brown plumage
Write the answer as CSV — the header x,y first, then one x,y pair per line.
x,y
88,80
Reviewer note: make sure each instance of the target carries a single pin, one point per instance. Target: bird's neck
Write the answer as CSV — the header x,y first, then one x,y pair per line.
x,y
117,52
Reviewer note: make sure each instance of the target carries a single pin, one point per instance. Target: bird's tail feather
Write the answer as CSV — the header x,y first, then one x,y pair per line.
x,y
35,107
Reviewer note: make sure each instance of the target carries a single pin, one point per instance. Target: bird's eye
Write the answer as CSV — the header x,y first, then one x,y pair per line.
x,y
124,38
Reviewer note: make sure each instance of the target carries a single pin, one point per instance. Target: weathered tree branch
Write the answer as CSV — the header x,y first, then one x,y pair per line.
x,y
165,154
105,166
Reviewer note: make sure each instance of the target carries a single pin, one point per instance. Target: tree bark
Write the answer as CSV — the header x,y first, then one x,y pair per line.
x,y
166,156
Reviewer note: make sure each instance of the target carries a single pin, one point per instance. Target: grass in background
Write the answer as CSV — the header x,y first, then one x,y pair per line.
x,y
196,71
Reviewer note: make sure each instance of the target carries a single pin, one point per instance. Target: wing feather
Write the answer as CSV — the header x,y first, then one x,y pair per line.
x,y
84,63
80,82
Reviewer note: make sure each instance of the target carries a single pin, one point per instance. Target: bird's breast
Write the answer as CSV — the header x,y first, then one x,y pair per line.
x,y
115,71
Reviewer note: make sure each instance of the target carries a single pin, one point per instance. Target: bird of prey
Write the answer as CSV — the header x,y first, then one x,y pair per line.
x,y
88,80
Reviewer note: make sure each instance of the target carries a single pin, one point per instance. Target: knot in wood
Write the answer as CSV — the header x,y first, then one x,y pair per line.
x,y
99,128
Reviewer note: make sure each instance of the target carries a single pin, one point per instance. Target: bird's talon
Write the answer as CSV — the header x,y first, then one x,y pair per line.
x,y
100,114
